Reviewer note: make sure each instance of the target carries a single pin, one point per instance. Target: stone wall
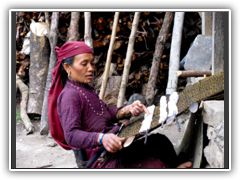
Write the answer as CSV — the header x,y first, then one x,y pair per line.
x,y
213,116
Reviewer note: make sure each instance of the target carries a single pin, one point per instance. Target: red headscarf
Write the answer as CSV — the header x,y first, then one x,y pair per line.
x,y
69,49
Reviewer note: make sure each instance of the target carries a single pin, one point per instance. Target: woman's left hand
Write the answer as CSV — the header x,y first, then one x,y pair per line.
x,y
136,108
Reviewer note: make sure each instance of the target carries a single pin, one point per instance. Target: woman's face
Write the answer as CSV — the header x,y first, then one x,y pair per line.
x,y
82,68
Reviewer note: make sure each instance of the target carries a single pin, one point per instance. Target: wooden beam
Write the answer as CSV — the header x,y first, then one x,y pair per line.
x,y
192,73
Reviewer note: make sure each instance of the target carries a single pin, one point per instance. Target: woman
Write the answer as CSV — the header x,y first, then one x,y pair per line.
x,y
80,121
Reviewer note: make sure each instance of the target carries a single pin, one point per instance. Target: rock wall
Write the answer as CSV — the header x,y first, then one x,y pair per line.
x,y
213,116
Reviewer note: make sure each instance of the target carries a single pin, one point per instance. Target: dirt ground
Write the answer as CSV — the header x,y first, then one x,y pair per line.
x,y
41,151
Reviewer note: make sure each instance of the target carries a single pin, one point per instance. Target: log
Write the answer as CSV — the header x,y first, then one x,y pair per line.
x,y
100,23
99,44
112,90
88,30
98,82
23,105
44,127
39,58
118,44
141,60
22,69
192,73
128,60
159,47
175,53
109,56
72,33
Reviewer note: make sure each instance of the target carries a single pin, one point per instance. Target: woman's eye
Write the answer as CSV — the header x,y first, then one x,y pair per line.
x,y
84,64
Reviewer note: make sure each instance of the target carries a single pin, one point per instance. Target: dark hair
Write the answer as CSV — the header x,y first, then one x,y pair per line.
x,y
64,75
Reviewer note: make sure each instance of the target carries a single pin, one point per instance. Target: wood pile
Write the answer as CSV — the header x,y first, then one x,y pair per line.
x,y
150,24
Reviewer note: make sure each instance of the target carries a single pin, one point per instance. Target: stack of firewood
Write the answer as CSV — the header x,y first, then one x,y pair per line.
x,y
23,21
102,23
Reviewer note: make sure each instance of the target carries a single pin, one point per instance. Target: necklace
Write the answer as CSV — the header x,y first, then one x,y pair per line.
x,y
100,114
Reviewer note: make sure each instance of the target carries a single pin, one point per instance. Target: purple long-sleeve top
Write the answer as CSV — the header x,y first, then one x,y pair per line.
x,y
84,116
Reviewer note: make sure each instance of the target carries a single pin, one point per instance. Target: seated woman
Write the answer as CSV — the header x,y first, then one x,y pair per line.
x,y
80,121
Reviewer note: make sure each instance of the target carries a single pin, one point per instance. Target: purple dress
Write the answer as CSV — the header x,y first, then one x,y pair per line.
x,y
84,116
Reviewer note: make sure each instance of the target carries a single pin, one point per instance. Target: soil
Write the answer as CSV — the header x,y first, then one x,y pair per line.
x,y
41,151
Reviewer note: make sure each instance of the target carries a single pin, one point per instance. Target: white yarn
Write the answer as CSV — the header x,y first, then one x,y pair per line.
x,y
172,104
163,109
146,123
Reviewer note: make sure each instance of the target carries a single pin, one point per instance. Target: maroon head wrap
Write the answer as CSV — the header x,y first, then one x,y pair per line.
x,y
69,49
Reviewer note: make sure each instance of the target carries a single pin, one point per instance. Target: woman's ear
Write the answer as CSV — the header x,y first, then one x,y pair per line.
x,y
66,67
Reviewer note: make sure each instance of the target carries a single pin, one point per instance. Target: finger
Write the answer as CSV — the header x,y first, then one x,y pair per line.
x,y
110,143
140,104
112,149
109,149
115,144
139,109
121,140
136,109
146,110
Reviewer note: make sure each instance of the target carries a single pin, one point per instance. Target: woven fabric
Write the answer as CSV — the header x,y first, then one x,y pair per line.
x,y
201,90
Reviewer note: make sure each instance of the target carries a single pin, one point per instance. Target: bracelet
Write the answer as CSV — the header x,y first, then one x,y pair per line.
x,y
123,113
100,140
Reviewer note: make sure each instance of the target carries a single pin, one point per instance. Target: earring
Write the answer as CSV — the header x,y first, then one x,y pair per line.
x,y
69,74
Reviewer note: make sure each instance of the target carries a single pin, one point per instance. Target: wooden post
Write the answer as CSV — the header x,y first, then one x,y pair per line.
x,y
207,23
23,105
175,53
159,47
38,70
109,56
218,42
127,63
88,30
44,127
73,34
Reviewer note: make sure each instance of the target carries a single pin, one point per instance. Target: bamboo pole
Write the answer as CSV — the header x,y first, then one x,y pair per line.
x,y
175,53
128,59
109,56
88,30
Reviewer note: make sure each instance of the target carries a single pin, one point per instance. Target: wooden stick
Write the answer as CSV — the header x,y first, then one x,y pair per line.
x,y
192,73
88,30
44,127
73,34
23,105
109,55
159,48
47,19
128,60
175,53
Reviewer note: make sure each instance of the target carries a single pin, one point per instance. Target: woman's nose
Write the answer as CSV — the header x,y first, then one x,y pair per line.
x,y
90,67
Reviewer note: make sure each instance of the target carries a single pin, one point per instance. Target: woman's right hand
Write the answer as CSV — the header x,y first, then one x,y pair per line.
x,y
112,143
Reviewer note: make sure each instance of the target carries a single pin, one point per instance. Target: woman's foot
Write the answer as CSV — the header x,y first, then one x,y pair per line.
x,y
186,165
